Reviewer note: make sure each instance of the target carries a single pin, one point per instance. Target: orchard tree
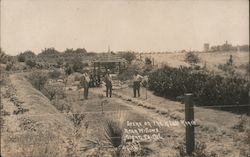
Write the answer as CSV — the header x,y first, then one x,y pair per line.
x,y
192,58
148,61
27,55
3,56
129,56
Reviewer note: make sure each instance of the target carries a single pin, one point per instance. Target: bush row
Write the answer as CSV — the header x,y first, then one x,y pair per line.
x,y
207,89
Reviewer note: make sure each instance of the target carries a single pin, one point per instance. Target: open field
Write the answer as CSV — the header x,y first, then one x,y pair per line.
x,y
211,59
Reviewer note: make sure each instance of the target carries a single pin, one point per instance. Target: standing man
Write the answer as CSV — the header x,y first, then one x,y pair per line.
x,y
136,83
108,81
85,83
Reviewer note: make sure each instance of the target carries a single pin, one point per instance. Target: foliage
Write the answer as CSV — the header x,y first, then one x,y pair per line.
x,y
207,89
192,58
228,68
49,51
148,61
27,55
245,68
51,91
9,66
199,150
21,58
114,134
129,56
77,65
68,69
79,51
54,74
77,119
127,73
3,56
61,105
30,63
59,62
38,79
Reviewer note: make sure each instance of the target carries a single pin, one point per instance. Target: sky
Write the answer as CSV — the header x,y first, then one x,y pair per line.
x,y
138,25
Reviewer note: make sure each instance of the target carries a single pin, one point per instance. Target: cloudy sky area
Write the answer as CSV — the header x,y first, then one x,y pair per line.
x,y
124,25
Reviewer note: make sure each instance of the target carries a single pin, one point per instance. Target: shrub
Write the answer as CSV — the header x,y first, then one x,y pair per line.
x,y
129,56
53,90
199,151
38,79
54,74
192,58
77,65
30,63
148,61
9,66
3,56
114,134
21,58
61,105
27,55
68,69
207,89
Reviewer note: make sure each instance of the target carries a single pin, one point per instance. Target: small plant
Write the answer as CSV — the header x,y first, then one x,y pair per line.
x,y
228,68
148,61
9,66
241,126
38,79
73,148
192,58
21,58
114,134
199,150
3,56
68,69
77,65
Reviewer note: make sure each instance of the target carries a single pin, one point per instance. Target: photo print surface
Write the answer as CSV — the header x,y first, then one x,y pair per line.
x,y
144,78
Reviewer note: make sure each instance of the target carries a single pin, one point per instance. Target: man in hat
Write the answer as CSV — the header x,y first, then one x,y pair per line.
x,y
136,83
85,80
108,81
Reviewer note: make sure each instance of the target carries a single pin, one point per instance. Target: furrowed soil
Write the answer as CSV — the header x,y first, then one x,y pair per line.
x,y
31,125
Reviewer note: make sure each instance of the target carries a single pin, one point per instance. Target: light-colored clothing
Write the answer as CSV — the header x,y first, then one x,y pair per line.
x,y
137,78
136,84
86,77
108,80
85,83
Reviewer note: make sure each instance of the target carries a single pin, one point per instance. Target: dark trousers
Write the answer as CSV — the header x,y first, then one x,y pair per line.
x,y
108,90
136,88
86,91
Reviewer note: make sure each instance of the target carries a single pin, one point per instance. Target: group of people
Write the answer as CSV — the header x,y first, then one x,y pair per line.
x,y
85,83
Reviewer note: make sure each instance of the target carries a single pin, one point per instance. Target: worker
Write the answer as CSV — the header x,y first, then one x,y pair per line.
x,y
85,80
136,83
108,81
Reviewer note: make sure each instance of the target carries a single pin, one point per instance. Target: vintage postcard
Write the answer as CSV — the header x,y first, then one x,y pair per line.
x,y
124,78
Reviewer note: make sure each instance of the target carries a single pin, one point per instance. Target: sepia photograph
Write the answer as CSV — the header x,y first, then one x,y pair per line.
x,y
124,78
